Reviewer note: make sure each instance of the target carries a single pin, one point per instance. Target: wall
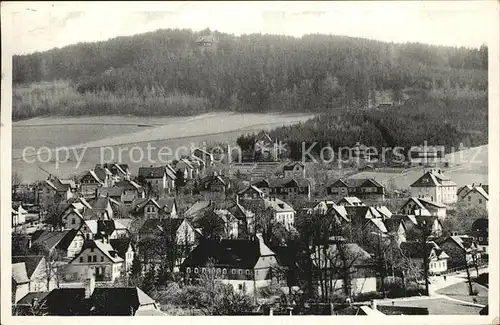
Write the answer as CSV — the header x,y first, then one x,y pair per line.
x,y
475,200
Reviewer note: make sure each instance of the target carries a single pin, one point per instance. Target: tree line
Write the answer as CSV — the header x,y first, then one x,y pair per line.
x,y
165,72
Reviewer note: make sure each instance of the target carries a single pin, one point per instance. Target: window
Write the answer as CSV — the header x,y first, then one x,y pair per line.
x,y
224,271
81,259
240,271
233,271
92,249
102,258
248,272
218,271
196,270
203,270
188,270
89,258
240,286
469,198
73,221
480,201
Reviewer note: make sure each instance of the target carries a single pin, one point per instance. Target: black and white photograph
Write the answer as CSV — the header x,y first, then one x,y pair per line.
x,y
250,159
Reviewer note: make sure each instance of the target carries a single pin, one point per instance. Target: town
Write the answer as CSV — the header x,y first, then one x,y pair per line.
x,y
260,237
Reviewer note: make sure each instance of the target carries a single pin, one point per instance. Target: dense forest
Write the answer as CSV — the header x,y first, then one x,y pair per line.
x,y
167,73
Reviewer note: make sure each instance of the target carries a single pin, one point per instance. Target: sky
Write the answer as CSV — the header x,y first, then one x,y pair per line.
x,y
45,25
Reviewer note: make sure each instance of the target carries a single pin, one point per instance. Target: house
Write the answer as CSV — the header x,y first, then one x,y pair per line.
x,y
425,155
340,214
112,229
245,264
436,187
156,180
265,148
207,43
350,201
168,206
214,183
66,242
54,190
18,215
294,169
423,207
30,274
436,257
285,188
85,299
366,189
476,197
396,229
99,256
251,192
466,188
89,182
125,249
114,192
145,209
359,264
480,232
359,214
102,208
199,208
203,155
187,167
312,207
130,191
374,226
463,250
282,211
119,172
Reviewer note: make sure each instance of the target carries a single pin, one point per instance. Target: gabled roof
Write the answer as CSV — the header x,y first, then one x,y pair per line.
x,y
129,185
414,249
231,253
351,200
392,224
427,203
291,165
282,182
167,203
377,223
66,302
384,211
251,188
92,225
433,179
152,172
104,247
56,239
19,273
278,205
464,242
198,208
119,301
121,245
479,190
339,211
139,204
111,191
31,262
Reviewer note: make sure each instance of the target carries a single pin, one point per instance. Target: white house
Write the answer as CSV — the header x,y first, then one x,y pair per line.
x,y
436,187
283,212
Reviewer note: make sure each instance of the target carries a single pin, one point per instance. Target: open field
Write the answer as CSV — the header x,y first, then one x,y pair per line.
x,y
460,291
436,306
166,132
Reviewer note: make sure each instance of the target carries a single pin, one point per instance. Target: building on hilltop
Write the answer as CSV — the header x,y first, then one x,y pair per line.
x,y
436,187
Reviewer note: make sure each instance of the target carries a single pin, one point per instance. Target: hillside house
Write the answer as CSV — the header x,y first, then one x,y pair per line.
x,y
476,197
168,207
285,188
365,189
66,242
35,269
146,209
462,191
437,257
359,263
125,249
18,215
396,230
119,172
207,43
156,180
480,232
204,156
245,264
314,207
90,182
190,168
214,183
283,212
54,190
130,191
251,192
350,201
423,207
294,169
462,250
98,256
436,187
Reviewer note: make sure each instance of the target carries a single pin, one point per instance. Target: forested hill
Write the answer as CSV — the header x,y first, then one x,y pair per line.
x,y
166,72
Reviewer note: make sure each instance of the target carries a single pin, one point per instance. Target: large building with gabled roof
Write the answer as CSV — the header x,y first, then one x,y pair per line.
x,y
436,187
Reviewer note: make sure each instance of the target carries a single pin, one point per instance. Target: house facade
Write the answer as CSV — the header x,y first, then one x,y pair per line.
x,y
462,251
422,207
435,187
98,256
294,169
436,256
155,180
285,188
365,189
89,183
475,198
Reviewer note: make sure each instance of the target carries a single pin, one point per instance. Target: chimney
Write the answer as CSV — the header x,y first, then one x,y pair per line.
x,y
89,283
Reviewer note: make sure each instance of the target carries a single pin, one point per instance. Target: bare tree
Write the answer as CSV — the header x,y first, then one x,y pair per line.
x,y
16,179
53,272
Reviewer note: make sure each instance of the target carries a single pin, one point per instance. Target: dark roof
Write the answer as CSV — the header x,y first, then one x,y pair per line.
x,y
56,239
480,224
66,302
152,172
291,166
111,191
153,225
105,226
281,182
166,203
241,254
121,245
392,225
355,182
118,301
129,185
31,262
